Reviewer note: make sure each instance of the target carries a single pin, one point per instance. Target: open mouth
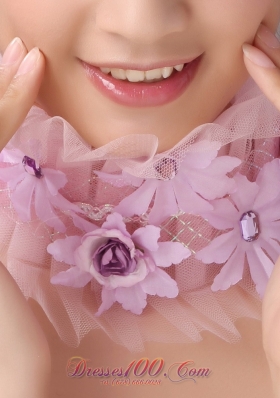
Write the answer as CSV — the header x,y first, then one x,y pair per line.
x,y
142,88
149,76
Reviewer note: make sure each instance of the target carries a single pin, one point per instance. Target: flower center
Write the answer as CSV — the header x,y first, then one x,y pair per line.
x,y
114,258
167,168
249,223
31,167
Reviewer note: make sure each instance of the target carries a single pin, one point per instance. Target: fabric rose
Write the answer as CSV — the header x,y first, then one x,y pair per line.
x,y
27,180
126,265
186,186
251,216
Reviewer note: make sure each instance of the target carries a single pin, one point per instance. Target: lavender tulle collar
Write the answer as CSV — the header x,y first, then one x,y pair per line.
x,y
207,174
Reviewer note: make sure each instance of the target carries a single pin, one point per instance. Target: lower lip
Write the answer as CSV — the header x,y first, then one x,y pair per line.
x,y
142,94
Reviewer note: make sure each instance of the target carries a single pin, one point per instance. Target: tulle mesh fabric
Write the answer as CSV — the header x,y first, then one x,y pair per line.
x,y
249,129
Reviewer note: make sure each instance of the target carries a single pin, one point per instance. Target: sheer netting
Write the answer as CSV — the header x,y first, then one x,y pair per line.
x,y
248,129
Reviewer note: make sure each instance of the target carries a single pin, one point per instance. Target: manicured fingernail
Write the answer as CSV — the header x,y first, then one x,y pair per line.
x,y
268,37
29,62
12,52
257,56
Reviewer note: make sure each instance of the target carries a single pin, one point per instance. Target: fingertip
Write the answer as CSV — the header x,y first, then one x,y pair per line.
x,y
246,48
41,64
267,37
257,56
42,57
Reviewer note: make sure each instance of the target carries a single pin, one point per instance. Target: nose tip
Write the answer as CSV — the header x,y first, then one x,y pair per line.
x,y
142,21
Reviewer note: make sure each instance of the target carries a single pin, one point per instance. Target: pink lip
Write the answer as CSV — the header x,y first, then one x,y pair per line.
x,y
142,94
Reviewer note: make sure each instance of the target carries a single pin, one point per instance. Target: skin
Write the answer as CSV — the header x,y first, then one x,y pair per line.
x,y
23,345
103,32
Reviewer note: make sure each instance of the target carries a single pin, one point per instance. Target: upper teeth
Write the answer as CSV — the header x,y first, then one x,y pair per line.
x,y
140,76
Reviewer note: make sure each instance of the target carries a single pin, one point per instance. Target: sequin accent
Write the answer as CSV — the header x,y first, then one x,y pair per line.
x,y
31,167
249,223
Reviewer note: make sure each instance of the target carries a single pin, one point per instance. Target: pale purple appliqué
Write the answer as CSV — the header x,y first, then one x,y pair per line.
x,y
249,223
250,218
41,194
127,266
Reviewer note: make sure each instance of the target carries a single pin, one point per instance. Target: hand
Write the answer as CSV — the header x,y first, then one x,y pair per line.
x,y
271,326
18,92
262,61
25,365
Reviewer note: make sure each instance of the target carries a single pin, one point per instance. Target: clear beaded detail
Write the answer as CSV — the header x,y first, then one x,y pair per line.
x,y
250,228
100,213
95,213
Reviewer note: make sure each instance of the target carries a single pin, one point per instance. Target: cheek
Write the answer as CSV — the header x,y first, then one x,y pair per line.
x,y
234,20
20,18
238,10
38,23
231,23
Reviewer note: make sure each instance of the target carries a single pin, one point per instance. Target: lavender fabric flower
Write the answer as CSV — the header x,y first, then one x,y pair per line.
x,y
126,265
188,186
26,180
252,214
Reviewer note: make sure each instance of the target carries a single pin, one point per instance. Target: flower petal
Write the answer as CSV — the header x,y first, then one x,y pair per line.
x,y
110,233
187,199
260,267
269,182
44,209
146,237
119,180
223,165
132,298
22,197
245,194
267,266
165,204
200,155
63,204
11,156
83,224
269,213
108,299
220,249
223,216
115,221
12,175
231,272
213,182
116,281
73,277
54,180
132,180
169,253
160,283
138,202
64,249
271,246
271,230
84,253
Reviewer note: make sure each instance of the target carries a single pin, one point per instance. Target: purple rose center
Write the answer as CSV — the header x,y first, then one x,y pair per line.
x,y
114,258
